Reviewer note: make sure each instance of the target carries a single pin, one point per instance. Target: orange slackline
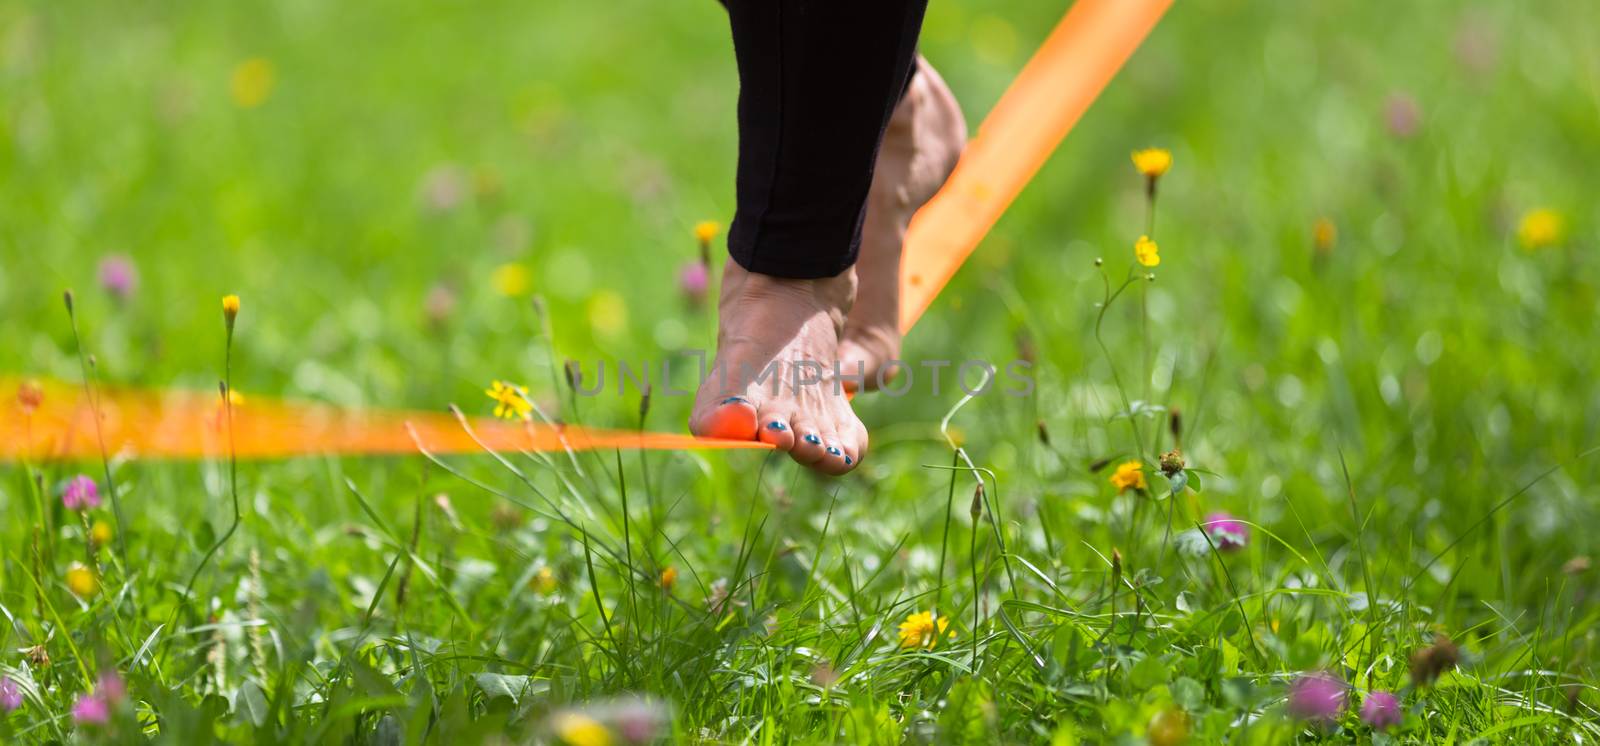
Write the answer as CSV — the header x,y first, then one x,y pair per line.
x,y
1047,98
54,420
1053,90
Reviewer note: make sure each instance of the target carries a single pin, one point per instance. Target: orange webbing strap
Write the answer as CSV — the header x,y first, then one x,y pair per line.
x,y
56,421
1076,62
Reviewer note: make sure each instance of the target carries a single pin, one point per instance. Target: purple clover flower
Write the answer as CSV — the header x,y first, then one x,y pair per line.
x,y
1228,533
10,695
1317,697
118,276
81,493
1381,710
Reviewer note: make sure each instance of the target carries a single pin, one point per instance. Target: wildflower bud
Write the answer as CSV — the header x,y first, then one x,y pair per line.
x,y
1169,727
1429,663
574,373
1098,464
1577,565
1152,163
29,396
669,578
1172,463
1099,262
705,231
1116,567
694,281
67,297
230,310
1151,277
1044,434
1175,425
977,503
1026,351
1324,235
644,402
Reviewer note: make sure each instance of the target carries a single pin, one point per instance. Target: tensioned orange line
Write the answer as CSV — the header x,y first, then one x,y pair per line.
x,y
1053,90
1058,84
58,424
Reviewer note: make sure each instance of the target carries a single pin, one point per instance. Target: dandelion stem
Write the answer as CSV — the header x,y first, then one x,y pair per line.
x,y
99,434
944,543
233,474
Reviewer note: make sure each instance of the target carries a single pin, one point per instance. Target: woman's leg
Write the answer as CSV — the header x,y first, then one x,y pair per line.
x,y
820,83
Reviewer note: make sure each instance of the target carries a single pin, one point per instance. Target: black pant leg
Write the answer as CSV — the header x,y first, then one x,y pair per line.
x,y
818,81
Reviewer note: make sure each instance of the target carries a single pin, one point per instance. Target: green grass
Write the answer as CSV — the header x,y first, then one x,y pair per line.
x,y
1402,418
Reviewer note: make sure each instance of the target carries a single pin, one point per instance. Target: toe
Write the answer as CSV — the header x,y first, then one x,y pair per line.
x,y
808,445
834,458
775,429
734,418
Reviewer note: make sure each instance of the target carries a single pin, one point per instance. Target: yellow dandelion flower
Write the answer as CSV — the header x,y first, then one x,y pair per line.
x,y
511,280
918,630
669,578
1541,228
1147,251
251,82
1324,234
1128,476
544,581
511,400
230,307
706,230
1152,162
82,581
100,533
578,729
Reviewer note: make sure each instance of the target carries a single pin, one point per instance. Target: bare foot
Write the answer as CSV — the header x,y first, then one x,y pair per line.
x,y
772,379
920,148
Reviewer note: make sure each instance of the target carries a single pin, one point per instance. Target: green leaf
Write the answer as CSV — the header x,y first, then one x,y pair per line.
x,y
250,704
496,685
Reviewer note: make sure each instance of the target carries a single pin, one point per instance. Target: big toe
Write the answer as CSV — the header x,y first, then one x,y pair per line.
x,y
734,418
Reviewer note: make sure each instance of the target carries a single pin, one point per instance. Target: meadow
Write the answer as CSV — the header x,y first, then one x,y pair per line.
x,y
1370,336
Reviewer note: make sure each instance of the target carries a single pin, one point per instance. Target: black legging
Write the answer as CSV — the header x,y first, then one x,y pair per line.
x,y
818,80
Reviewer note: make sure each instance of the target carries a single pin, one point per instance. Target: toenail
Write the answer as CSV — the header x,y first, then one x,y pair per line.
x,y
735,400
834,451
776,425
813,439
847,461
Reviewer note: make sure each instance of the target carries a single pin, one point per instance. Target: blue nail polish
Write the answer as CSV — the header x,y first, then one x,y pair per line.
x,y
834,451
735,400
776,425
847,461
812,439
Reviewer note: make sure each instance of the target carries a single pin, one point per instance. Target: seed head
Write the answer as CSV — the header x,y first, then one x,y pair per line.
x,y
1429,663
1172,463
